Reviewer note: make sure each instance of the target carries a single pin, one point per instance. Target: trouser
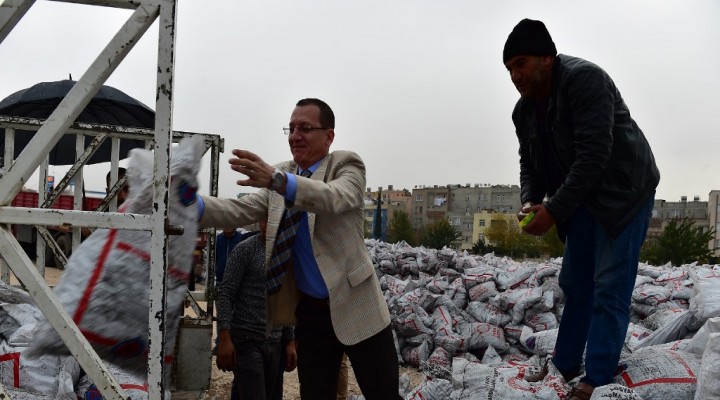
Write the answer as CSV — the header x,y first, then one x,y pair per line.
x,y
597,278
374,360
278,391
256,371
342,387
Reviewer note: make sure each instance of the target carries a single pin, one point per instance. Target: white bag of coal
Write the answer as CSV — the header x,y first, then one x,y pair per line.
x,y
431,389
706,301
708,384
29,377
615,391
657,373
541,343
672,329
49,374
475,381
699,340
105,287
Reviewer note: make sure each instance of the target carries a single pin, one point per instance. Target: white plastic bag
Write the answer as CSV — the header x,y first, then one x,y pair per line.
x,y
699,341
674,329
657,373
708,384
105,287
541,343
614,391
706,302
431,389
52,375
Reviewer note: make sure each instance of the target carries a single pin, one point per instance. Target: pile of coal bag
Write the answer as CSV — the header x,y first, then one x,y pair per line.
x,y
479,325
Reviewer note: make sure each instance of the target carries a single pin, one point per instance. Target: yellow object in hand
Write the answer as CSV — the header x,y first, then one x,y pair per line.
x,y
525,221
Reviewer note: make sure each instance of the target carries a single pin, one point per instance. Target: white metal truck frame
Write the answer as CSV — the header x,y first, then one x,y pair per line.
x,y
144,14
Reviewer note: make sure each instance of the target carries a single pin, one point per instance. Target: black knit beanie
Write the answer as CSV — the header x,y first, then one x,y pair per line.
x,y
529,37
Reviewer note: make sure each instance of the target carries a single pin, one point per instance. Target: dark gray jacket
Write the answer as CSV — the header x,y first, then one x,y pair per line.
x,y
604,156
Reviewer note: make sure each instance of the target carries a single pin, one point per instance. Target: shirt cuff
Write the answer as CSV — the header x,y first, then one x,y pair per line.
x,y
290,187
201,207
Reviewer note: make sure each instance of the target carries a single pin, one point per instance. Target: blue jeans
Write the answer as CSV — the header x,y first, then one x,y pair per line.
x,y
597,278
256,369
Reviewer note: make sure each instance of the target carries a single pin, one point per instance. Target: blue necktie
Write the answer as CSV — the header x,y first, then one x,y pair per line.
x,y
282,251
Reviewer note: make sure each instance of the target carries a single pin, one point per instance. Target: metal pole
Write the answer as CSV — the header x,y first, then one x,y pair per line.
x,y
158,244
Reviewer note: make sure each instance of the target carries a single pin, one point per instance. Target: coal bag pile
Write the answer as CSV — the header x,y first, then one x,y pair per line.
x,y
478,326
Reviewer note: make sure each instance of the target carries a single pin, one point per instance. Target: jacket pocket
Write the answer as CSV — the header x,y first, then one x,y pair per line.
x,y
619,178
360,274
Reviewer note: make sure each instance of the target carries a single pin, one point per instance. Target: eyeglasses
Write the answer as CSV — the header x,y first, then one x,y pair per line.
x,y
303,128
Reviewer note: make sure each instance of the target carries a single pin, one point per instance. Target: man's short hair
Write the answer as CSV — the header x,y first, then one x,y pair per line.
x,y
327,117
121,173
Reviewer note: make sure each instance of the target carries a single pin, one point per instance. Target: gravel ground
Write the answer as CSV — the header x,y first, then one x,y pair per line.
x,y
222,382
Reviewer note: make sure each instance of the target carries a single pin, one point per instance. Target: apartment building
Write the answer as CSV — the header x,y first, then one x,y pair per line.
x,y
429,204
391,201
666,211
395,197
466,201
459,203
484,220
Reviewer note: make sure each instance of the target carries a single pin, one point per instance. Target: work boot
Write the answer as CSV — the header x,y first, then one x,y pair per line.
x,y
583,391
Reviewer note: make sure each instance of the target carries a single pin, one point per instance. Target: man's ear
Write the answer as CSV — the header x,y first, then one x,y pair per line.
x,y
547,60
330,137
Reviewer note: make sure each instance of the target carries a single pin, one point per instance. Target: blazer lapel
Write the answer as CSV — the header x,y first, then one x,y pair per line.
x,y
318,175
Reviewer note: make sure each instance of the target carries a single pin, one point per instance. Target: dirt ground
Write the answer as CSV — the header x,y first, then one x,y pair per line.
x,y
222,382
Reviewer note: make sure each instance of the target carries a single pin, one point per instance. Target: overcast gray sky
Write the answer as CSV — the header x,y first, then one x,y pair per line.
x,y
418,87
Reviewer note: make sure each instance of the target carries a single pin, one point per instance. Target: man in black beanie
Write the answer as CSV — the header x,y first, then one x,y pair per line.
x,y
586,167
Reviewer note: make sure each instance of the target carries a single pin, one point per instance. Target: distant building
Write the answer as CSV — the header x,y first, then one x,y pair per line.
x,y
429,204
458,204
472,208
704,214
399,199
484,220
468,200
392,201
666,211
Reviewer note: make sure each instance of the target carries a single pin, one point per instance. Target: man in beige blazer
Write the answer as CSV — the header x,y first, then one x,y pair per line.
x,y
330,292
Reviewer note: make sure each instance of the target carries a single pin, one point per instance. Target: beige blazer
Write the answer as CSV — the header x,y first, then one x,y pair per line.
x,y
333,200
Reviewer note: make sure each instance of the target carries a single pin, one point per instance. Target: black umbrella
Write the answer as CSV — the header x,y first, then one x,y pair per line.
x,y
109,106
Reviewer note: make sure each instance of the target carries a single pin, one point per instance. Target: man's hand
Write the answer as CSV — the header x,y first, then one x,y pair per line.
x,y
542,222
524,210
259,172
291,356
85,232
226,352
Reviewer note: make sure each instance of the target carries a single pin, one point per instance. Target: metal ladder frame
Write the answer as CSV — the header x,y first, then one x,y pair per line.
x,y
144,15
